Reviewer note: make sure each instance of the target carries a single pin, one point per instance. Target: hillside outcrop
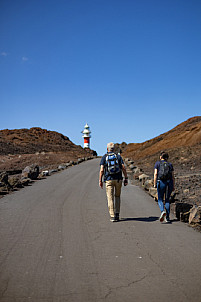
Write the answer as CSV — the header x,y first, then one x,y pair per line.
x,y
29,141
183,144
23,147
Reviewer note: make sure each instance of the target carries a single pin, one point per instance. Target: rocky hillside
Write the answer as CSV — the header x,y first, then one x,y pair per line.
x,y
183,144
27,141
21,147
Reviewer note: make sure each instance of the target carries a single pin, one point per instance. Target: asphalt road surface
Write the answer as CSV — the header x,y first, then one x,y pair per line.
x,y
57,244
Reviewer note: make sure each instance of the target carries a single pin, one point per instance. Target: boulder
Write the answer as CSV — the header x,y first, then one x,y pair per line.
x,y
195,215
15,182
136,176
53,171
182,211
45,173
62,167
25,181
31,172
137,170
132,167
148,184
126,160
68,164
4,180
143,178
153,193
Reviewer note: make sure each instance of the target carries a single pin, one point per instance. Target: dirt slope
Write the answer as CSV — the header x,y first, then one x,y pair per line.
x,y
22,147
183,144
187,134
32,140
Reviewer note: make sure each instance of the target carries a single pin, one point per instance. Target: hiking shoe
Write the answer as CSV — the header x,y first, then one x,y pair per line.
x,y
117,217
167,219
163,214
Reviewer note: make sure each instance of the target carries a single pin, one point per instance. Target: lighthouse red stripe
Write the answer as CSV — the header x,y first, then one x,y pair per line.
x,y
86,140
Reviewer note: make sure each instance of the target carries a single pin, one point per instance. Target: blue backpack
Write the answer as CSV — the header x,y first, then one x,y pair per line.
x,y
112,163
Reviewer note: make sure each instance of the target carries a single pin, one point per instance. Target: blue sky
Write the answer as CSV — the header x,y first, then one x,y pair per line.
x,y
130,69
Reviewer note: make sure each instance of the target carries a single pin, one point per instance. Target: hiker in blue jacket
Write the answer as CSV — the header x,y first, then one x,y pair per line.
x,y
112,166
165,183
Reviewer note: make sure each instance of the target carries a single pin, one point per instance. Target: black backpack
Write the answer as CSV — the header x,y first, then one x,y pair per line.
x,y
112,163
164,171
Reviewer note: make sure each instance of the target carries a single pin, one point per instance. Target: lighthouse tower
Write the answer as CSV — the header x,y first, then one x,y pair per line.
x,y
86,135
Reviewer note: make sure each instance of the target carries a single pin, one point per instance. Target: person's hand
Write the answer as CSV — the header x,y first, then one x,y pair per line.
x,y
125,181
101,184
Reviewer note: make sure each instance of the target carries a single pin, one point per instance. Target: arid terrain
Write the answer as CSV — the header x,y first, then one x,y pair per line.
x,y
48,149
183,144
22,147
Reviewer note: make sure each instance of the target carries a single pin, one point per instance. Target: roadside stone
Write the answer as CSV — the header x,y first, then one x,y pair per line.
x,y
148,184
136,176
4,180
68,165
153,193
15,182
45,173
25,181
126,160
53,171
142,178
195,215
132,167
62,167
31,172
182,211
137,170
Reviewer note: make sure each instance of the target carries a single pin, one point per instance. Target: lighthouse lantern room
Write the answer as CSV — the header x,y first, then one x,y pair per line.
x,y
86,135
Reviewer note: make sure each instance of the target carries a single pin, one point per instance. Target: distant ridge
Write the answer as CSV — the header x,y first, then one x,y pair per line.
x,y
29,141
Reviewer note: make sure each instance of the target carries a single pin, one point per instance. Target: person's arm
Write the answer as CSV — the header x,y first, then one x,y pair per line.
x,y
155,177
125,175
101,176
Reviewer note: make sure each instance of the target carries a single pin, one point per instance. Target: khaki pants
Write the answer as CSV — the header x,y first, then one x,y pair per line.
x,y
113,189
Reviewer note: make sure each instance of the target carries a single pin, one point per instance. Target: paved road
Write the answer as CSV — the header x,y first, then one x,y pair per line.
x,y
57,244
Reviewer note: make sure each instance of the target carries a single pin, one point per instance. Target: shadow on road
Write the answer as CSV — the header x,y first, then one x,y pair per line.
x,y
145,219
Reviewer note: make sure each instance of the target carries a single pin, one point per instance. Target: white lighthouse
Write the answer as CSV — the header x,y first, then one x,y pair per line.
x,y
86,135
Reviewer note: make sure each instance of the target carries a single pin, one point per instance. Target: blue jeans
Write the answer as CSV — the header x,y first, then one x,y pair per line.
x,y
164,187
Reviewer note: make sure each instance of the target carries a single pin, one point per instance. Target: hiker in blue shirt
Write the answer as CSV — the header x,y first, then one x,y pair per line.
x,y
111,167
165,183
